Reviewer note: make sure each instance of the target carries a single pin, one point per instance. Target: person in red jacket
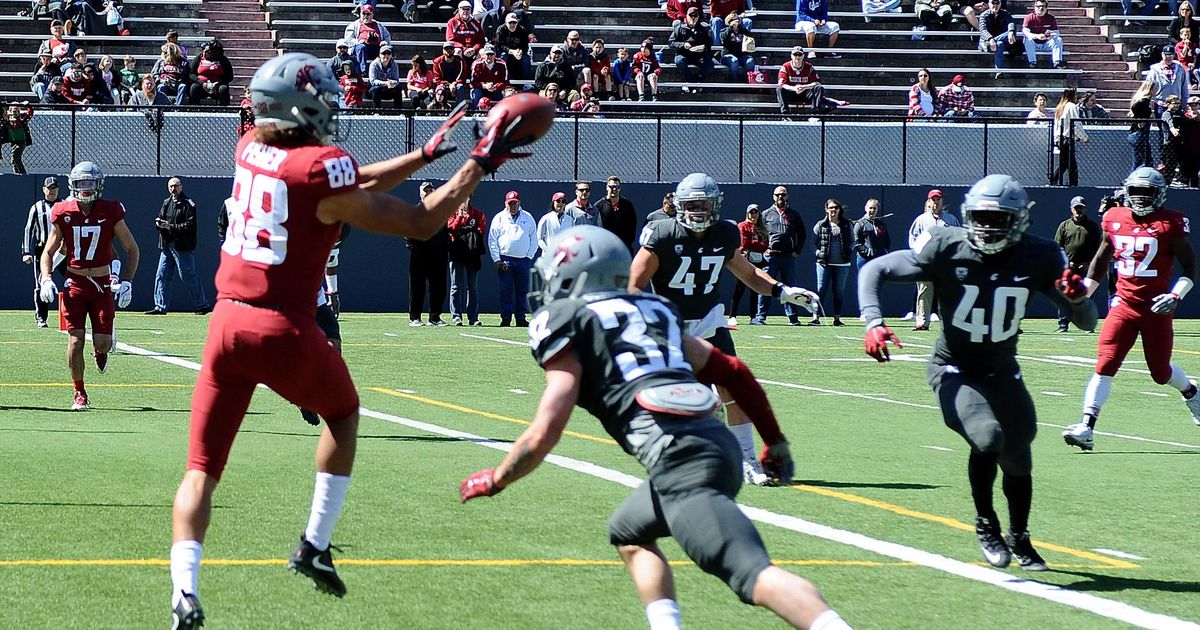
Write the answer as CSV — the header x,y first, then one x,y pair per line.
x,y
77,87
468,241
646,70
354,86
754,248
489,77
677,9
800,84
450,70
465,30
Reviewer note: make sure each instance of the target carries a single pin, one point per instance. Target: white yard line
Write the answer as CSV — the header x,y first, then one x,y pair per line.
x,y
1118,554
518,391
1054,393
937,448
495,339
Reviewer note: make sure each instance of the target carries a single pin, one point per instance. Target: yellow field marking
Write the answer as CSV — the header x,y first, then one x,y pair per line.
x,y
97,385
485,414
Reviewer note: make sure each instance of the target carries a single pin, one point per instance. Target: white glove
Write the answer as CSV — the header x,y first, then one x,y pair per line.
x,y
48,291
800,297
123,293
1165,303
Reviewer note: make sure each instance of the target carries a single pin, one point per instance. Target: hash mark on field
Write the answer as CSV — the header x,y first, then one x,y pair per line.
x,y
1119,554
389,334
495,339
1054,393
156,332
765,337
1159,394
937,448
518,391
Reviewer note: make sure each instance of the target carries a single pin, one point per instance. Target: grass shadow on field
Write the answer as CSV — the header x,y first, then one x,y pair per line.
x,y
410,438
885,485
1112,583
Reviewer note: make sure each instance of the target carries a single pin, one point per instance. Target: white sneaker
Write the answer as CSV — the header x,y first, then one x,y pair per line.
x,y
1080,434
415,323
1193,403
753,473
731,322
934,318
909,316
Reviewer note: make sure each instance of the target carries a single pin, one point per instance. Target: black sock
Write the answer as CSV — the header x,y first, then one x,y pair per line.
x,y
981,471
1090,419
1189,393
1019,492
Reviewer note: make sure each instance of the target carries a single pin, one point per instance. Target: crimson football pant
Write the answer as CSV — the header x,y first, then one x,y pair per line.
x,y
84,298
1121,328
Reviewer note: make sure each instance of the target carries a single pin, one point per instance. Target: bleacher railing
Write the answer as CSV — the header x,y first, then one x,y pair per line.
x,y
638,147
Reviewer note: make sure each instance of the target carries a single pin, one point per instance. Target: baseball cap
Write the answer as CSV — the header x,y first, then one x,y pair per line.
x,y
172,33
341,43
425,185
447,45
56,23
558,48
464,4
489,50
512,17
797,50
512,196
559,196
933,193
51,182
753,207
385,48
649,41
1193,99
1168,50
366,8
958,78
1077,201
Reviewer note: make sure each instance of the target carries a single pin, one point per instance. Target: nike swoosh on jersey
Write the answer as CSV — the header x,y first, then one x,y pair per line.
x,y
1020,278
717,250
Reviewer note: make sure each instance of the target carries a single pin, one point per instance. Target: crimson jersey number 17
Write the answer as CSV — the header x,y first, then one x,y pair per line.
x,y
257,211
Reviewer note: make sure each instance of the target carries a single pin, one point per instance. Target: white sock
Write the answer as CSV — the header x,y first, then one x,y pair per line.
x,y
1179,379
745,437
829,620
1096,394
185,569
328,493
663,614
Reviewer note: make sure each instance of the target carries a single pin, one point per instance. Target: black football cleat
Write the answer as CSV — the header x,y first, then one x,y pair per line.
x,y
1023,551
187,614
317,565
991,543
310,417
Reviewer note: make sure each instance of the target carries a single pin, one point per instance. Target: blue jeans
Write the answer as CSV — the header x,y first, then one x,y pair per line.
x,y
738,67
1053,46
1002,48
170,262
832,276
1139,141
695,73
1127,7
478,93
783,269
514,287
365,53
179,95
464,291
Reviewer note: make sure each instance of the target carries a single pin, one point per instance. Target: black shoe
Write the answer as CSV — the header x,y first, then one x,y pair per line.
x,y
995,551
838,322
1061,329
187,614
1023,551
523,323
154,311
41,323
318,565
476,323
310,417
505,322
204,310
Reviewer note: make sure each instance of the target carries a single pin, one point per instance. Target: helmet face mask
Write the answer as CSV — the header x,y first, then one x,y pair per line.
x,y
86,182
579,260
696,214
1145,191
996,213
698,202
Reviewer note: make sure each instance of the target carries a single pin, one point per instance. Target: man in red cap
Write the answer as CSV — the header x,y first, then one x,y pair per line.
x,y
958,99
368,36
932,216
512,243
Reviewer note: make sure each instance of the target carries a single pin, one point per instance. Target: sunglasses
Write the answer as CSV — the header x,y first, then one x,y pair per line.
x,y
780,194
573,39
614,187
833,207
583,190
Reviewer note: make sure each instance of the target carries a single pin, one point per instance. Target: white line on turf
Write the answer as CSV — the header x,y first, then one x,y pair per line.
x,y
1054,393
495,339
518,391
1075,599
1118,554
1158,394
938,448
389,334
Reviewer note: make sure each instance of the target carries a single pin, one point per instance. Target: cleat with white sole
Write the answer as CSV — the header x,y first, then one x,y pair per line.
x,y
187,614
753,473
1079,434
995,551
1023,551
80,402
1193,403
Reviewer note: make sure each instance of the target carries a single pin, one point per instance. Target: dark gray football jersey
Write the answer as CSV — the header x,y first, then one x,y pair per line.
x,y
625,342
982,299
689,267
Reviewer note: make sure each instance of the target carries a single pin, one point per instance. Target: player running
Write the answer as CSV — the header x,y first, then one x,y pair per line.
x,y
291,193
624,357
1145,239
684,256
984,273
84,226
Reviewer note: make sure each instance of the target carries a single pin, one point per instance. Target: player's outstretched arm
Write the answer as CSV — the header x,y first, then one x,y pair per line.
x,y
762,283
645,265
387,174
898,266
133,255
563,373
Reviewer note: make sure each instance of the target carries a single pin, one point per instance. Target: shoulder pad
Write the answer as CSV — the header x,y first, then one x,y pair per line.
x,y
553,328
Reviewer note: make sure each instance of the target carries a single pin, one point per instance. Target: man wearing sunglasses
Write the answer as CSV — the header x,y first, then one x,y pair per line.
x,y
1041,35
616,212
581,209
785,238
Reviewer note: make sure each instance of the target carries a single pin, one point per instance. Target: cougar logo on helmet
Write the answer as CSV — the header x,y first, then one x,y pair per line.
x,y
296,91
582,259
304,78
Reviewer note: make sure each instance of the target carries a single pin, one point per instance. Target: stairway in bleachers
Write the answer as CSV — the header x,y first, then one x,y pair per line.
x,y
242,26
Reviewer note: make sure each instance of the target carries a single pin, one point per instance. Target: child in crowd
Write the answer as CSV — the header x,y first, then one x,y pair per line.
x,y
354,87
622,74
131,81
1185,53
598,71
646,70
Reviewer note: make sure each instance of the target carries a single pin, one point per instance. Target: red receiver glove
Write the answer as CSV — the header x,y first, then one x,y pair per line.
x,y
1071,286
876,341
495,147
479,484
439,143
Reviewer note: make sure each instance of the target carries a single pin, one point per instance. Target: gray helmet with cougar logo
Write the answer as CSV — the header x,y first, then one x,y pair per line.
x,y
1145,190
578,260
698,202
296,91
996,213
86,182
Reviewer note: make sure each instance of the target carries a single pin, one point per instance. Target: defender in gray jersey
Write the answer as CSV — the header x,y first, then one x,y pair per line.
x,y
625,358
984,275
684,257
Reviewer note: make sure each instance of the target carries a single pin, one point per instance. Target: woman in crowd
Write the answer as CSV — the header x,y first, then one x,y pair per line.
x,y
213,72
420,83
1066,134
923,97
835,237
170,74
1185,19
1141,109
754,248
736,58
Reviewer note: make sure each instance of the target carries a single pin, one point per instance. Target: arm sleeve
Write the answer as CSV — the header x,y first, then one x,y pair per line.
x,y
901,266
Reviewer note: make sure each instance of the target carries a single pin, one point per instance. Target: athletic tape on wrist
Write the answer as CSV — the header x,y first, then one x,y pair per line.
x,y
331,283
1091,285
1182,286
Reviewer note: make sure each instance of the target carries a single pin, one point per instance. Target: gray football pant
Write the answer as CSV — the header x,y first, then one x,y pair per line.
x,y
994,414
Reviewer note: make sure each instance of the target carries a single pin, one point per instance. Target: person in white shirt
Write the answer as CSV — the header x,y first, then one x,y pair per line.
x,y
932,216
554,221
512,243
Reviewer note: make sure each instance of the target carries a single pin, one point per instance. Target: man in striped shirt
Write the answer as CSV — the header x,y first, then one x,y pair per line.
x,y
37,230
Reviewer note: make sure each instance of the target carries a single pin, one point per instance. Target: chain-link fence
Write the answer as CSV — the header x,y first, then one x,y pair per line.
x,y
1116,146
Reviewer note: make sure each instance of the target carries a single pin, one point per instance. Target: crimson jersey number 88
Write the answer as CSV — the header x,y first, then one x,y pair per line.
x,y
257,211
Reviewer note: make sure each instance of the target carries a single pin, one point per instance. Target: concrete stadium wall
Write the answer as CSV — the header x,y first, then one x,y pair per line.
x,y
374,268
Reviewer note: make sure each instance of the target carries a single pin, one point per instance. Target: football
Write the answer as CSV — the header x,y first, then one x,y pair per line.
x,y
536,115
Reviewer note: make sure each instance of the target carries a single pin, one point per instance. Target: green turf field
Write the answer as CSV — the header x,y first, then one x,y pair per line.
x,y
86,497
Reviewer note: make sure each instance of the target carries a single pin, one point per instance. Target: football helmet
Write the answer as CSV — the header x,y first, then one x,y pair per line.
x,y
1145,190
582,259
698,202
996,213
296,91
86,182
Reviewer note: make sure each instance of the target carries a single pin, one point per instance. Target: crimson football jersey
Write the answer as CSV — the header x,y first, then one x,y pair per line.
x,y
87,238
275,247
1143,252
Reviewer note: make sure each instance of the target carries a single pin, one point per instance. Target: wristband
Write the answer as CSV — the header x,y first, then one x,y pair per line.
x,y
777,290
1092,285
1182,286
874,323
331,283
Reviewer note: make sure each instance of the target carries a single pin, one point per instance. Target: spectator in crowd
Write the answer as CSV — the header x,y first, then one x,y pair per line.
x,y
690,43
933,215
736,57
719,12
1141,109
94,17
468,242
55,93
785,240
553,94
53,9
512,243
1039,111
384,77
77,88
33,241
520,9
131,80
213,73
1185,53
1040,29
583,211
489,77
1170,79
754,247
427,266
78,58
923,98
575,55
97,90
145,97
834,240
1079,236
1185,19
450,70
799,84
172,37
622,74
354,86
553,69
245,113
1091,109
1148,7
554,221
665,211
646,70
513,40
369,36
337,63
676,10
933,15
420,83
812,18
14,130
871,236
997,33
870,7
488,13
57,46
598,71
1176,155
1066,134
443,100
170,74
40,81
957,100
176,225
111,79
617,214
464,30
